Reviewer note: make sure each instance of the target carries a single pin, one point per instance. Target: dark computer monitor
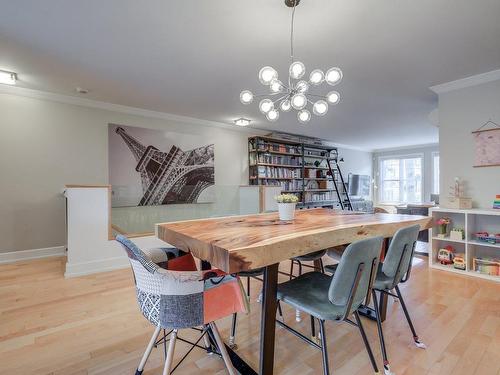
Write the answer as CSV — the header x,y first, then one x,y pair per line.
x,y
359,185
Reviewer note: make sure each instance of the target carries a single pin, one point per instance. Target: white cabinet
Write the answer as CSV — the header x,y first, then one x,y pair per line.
x,y
479,254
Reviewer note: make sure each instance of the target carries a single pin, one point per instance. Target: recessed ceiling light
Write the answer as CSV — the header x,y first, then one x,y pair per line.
x,y
81,90
8,78
242,121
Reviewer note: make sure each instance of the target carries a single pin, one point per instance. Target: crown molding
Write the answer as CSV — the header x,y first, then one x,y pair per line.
x,y
477,79
89,103
404,148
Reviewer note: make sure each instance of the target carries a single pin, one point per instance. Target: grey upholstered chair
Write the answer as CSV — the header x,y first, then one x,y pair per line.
x,y
396,269
335,298
311,257
176,296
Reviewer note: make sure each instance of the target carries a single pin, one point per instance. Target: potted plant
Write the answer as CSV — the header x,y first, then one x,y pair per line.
x,y
442,224
286,206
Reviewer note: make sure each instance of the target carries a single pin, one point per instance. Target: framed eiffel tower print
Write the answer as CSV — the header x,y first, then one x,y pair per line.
x,y
154,167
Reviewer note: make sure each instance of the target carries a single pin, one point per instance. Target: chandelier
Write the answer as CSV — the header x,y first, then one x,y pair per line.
x,y
296,92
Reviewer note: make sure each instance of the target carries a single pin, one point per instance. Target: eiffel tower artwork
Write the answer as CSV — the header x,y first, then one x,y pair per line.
x,y
173,176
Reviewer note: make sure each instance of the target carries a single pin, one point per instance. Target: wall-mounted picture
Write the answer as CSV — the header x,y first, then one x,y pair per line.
x,y
487,145
154,167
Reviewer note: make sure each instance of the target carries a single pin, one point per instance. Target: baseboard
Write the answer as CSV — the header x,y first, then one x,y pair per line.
x,y
87,268
16,256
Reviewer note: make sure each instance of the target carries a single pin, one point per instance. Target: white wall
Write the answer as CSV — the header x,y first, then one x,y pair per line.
x,y
425,151
46,144
462,111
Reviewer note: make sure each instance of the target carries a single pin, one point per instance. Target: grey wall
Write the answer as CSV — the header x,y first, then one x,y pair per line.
x,y
45,145
461,112
426,151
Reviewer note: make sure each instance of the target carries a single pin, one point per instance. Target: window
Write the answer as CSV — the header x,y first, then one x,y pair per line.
x,y
435,173
401,179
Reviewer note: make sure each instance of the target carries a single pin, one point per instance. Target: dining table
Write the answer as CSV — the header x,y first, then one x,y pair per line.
x,y
246,242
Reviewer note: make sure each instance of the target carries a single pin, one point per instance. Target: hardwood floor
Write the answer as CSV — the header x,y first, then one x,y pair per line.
x,y
92,325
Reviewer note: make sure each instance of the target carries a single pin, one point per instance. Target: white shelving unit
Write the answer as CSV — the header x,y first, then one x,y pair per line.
x,y
472,221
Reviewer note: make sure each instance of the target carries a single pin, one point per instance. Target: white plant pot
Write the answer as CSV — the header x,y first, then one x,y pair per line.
x,y
286,211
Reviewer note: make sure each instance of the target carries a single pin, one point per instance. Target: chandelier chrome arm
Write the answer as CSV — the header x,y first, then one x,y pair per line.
x,y
294,95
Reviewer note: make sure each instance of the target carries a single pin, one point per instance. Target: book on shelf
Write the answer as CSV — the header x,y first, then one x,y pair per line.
x,y
262,145
318,196
277,172
274,159
284,184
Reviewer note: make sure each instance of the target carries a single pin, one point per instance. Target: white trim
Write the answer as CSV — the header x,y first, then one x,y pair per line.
x,y
402,148
87,268
16,256
84,102
466,82
433,155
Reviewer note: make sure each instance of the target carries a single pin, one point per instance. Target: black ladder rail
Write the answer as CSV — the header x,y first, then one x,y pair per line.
x,y
343,201
344,186
335,184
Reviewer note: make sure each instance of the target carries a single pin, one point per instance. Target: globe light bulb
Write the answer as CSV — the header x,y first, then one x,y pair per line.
x,y
333,97
333,76
265,105
316,77
276,86
285,105
299,101
302,86
273,115
267,74
297,70
304,116
246,97
320,108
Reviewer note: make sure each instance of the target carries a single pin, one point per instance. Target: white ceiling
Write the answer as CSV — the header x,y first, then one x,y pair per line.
x,y
192,58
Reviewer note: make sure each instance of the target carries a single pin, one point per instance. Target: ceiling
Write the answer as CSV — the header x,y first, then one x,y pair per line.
x,y
192,58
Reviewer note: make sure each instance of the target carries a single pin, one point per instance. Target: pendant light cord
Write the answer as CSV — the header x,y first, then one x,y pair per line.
x,y
291,30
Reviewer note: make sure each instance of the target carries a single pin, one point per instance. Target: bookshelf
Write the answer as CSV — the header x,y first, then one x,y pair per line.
x,y
479,255
298,168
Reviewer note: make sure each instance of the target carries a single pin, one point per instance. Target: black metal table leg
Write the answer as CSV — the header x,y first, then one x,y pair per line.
x,y
268,320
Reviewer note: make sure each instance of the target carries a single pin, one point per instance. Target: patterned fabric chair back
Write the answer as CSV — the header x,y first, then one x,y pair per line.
x,y
399,256
170,299
184,298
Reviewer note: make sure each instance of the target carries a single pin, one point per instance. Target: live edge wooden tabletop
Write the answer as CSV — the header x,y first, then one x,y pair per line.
x,y
239,243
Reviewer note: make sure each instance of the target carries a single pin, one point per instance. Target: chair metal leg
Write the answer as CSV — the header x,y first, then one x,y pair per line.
x,y
365,340
170,353
324,349
298,318
231,343
248,286
416,339
222,349
291,268
280,312
387,368
146,354
322,266
315,336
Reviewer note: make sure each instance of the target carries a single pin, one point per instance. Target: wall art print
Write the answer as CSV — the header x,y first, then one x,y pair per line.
x,y
487,142
154,167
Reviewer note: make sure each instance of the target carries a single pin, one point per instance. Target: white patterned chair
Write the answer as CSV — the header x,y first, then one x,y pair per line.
x,y
173,295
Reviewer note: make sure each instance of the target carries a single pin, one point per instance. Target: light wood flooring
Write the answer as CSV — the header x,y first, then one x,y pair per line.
x,y
92,325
